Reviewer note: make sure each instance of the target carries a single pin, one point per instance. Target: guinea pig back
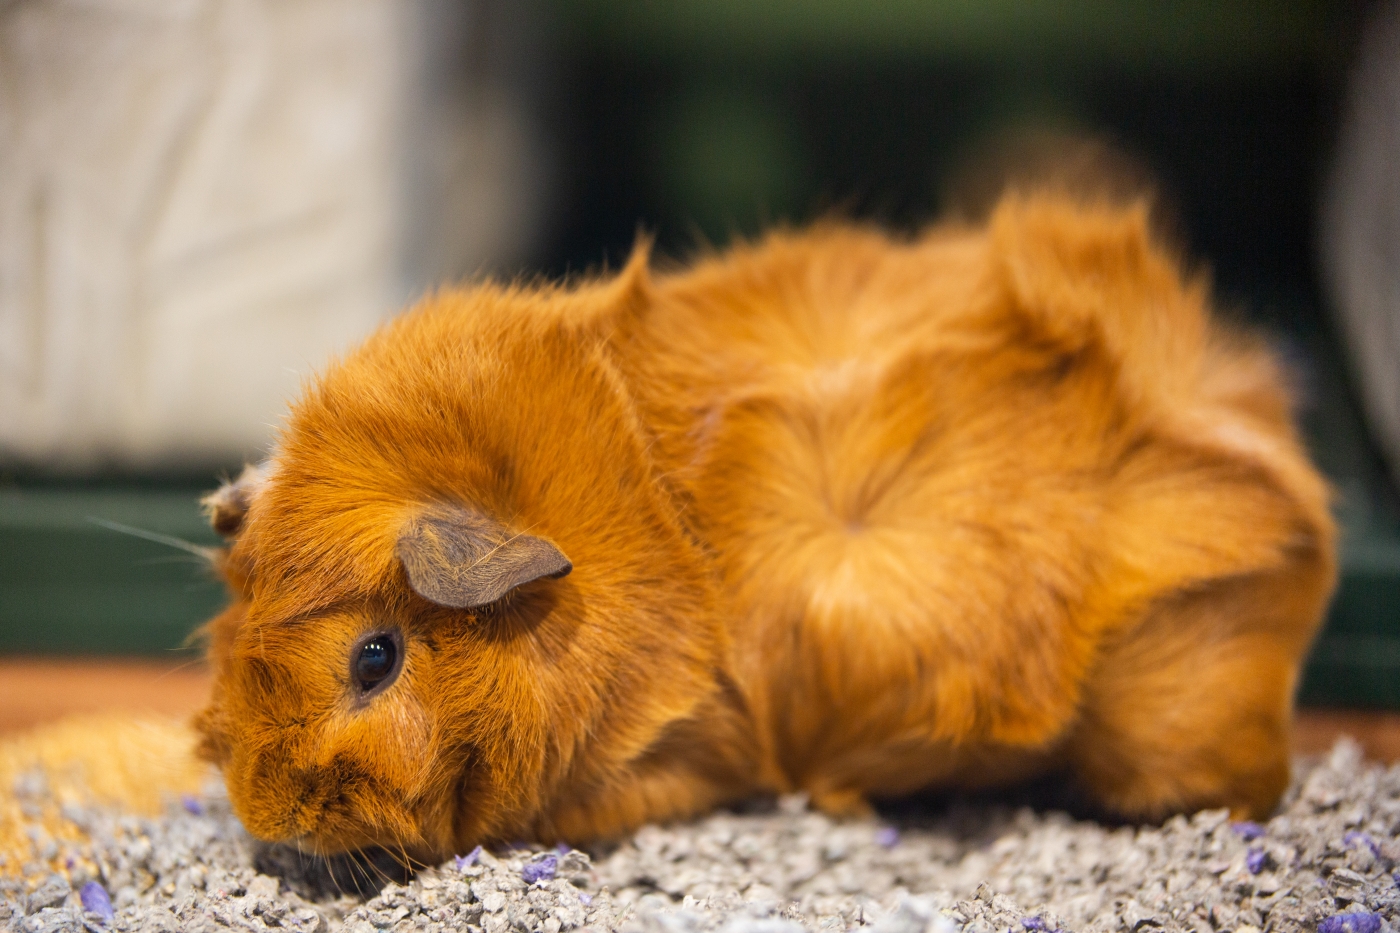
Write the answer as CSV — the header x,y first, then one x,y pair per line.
x,y
829,512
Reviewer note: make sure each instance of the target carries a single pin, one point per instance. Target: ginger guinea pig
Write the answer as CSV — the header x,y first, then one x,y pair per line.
x,y
831,512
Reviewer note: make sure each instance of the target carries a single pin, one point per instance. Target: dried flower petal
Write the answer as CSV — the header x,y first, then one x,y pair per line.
x,y
1352,838
1254,860
1248,830
463,862
95,900
192,805
1361,921
541,870
887,836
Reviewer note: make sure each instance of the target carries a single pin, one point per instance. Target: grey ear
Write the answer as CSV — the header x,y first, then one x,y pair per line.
x,y
227,506
457,558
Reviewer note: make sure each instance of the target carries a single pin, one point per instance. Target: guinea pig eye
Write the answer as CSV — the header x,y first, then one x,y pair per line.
x,y
375,663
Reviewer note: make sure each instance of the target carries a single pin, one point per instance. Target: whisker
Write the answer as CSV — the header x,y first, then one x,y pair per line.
x,y
363,861
208,553
301,856
180,667
407,862
330,870
174,559
353,868
377,870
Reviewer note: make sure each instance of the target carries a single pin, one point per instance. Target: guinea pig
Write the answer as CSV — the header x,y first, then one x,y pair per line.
x,y
831,512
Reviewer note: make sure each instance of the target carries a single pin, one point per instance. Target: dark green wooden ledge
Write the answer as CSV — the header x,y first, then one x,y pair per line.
x,y
69,586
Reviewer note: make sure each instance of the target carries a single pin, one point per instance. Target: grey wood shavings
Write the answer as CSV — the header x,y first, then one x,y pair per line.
x,y
1326,861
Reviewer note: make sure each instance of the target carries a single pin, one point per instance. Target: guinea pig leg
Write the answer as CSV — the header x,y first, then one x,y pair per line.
x,y
841,803
705,760
657,794
1192,708
689,766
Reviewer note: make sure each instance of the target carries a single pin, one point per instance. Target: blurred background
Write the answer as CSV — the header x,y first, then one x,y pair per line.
x,y
201,201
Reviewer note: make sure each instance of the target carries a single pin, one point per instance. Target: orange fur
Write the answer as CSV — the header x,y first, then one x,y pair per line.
x,y
845,514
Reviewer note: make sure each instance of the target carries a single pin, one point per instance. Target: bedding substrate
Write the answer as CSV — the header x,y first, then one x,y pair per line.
x,y
1325,862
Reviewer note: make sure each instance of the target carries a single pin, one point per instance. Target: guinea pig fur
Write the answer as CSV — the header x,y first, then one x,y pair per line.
x,y
831,512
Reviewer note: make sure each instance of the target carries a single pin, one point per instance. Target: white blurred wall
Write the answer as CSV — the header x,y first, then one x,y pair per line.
x,y
202,200
1361,227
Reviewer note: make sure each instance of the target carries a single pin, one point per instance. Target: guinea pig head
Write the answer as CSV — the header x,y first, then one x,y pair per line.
x,y
459,584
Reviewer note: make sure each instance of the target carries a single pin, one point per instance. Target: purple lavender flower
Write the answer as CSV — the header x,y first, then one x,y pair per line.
x,y
540,870
1353,837
563,848
887,837
1361,921
1254,860
191,804
95,900
585,898
463,862
1248,830
1034,923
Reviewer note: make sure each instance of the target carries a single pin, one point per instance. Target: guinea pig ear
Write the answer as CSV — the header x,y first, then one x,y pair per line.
x,y
227,506
457,558
614,307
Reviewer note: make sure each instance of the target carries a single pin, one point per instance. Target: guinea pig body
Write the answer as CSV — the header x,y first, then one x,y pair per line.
x,y
829,513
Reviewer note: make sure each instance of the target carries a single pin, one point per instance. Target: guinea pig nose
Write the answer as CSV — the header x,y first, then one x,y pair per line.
x,y
375,662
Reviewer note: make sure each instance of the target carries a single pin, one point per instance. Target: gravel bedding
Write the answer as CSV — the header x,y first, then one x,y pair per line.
x,y
1324,863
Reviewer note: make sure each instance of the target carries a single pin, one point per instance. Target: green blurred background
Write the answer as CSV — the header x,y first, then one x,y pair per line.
x,y
702,121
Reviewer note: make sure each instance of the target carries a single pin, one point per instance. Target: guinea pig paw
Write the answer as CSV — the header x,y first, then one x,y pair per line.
x,y
842,803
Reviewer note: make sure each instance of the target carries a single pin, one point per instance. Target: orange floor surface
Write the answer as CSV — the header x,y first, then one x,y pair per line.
x,y
34,691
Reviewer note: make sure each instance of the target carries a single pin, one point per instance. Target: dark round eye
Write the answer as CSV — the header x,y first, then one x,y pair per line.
x,y
376,661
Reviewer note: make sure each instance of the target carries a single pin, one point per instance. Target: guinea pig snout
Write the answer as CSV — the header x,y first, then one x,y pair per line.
x,y
331,807
283,802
